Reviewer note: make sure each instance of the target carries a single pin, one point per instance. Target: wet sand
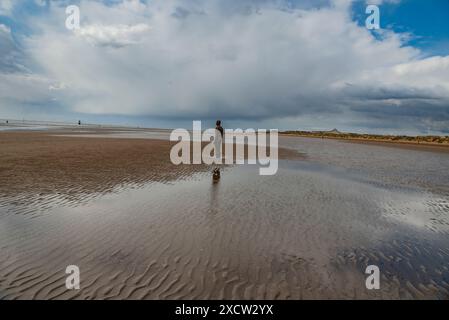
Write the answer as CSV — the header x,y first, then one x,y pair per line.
x,y
42,164
141,228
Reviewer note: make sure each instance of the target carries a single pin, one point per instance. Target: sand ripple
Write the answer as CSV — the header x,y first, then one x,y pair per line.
x,y
188,240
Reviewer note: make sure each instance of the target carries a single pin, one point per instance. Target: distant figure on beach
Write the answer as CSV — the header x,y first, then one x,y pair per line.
x,y
79,122
218,139
6,121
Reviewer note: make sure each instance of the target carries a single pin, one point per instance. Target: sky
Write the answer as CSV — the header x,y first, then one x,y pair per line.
x,y
280,64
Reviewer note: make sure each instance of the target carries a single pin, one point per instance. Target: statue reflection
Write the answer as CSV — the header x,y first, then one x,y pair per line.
x,y
214,206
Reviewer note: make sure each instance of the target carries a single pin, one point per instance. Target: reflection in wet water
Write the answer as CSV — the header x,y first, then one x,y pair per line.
x,y
214,196
307,232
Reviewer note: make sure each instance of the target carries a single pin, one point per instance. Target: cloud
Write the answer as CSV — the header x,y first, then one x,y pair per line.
x,y
379,2
41,3
5,31
250,61
11,56
116,36
436,68
6,7
19,87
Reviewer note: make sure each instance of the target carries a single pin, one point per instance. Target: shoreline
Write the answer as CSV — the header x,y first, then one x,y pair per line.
x,y
412,145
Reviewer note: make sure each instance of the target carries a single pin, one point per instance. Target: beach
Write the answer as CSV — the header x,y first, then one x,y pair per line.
x,y
111,202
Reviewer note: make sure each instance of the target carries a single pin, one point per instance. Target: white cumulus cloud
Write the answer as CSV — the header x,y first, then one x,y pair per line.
x,y
113,35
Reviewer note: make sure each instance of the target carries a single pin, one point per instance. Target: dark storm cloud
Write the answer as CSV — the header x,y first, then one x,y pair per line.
x,y
410,108
388,93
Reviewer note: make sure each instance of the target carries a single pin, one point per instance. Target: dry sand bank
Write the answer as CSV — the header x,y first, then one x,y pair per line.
x,y
422,146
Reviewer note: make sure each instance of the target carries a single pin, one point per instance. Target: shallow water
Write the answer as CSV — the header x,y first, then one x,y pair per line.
x,y
307,232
